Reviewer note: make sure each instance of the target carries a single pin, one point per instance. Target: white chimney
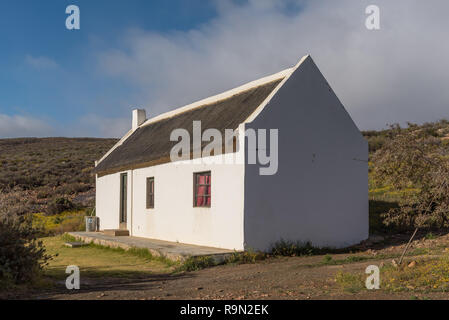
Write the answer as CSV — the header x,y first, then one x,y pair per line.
x,y
139,117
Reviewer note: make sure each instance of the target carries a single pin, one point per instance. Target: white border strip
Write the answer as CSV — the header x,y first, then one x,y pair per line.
x,y
119,143
271,95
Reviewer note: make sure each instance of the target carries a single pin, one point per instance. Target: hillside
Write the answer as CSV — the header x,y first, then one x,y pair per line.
x,y
377,139
48,174
52,174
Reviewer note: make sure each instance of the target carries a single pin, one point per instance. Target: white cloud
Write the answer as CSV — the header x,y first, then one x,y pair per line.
x,y
41,63
395,74
95,125
91,125
23,126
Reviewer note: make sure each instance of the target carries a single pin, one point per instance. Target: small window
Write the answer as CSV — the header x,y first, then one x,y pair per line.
x,y
150,193
202,188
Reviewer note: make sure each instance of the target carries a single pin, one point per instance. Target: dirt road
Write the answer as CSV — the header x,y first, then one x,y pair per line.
x,y
279,278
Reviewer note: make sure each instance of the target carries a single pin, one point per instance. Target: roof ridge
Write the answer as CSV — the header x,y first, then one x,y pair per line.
x,y
221,96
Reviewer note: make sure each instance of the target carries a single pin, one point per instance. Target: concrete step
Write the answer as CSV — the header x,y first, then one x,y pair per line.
x,y
75,244
116,232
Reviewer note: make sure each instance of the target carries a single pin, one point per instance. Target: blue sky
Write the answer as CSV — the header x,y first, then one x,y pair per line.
x,y
49,72
160,55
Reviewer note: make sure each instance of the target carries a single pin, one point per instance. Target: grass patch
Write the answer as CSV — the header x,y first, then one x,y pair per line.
x,y
137,252
99,261
418,252
427,275
352,283
328,260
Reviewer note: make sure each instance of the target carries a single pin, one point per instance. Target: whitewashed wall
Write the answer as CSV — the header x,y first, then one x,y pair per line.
x,y
174,218
320,193
107,200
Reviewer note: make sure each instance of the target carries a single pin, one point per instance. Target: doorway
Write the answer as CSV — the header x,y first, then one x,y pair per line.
x,y
123,200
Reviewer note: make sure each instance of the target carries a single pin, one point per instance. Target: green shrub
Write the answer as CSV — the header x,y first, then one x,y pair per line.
x,y
430,235
248,256
197,263
22,256
299,248
291,249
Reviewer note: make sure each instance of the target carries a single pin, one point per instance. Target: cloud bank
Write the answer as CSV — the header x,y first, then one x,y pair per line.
x,y
23,126
396,74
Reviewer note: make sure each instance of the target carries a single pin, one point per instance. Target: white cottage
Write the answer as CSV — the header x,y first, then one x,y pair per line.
x,y
319,192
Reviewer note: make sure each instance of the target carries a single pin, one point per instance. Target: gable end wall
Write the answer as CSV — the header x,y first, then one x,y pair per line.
x,y
320,192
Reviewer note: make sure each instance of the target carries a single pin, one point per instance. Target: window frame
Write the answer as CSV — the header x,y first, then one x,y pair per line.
x,y
195,185
150,195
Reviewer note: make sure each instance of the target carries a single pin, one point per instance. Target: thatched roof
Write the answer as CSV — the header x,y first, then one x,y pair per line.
x,y
150,144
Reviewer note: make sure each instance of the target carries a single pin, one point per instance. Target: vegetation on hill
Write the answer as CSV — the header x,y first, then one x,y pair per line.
x,y
377,139
411,166
48,175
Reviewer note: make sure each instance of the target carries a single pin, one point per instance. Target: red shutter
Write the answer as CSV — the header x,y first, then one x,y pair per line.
x,y
202,189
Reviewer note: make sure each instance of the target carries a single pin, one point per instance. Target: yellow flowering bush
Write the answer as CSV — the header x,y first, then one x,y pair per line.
x,y
60,223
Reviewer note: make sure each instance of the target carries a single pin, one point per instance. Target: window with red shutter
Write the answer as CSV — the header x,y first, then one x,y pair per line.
x,y
202,189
